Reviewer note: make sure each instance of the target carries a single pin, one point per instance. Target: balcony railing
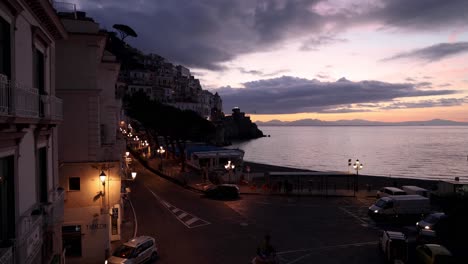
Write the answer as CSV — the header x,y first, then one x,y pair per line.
x,y
6,255
19,101
29,241
54,211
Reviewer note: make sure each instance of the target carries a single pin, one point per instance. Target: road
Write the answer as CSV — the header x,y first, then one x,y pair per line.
x,y
192,229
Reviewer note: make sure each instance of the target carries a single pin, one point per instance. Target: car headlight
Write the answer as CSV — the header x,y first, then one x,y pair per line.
x,y
376,211
427,227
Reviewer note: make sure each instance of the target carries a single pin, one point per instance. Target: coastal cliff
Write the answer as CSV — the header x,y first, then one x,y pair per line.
x,y
237,126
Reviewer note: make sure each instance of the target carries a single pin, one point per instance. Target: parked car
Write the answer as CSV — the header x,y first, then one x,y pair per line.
x,y
223,191
433,254
432,221
394,246
389,191
136,250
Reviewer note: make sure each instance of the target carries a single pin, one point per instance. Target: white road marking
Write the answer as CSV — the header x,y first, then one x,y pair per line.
x,y
354,216
191,221
182,214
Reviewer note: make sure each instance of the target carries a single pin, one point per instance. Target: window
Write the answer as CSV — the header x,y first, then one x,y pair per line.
x,y
5,50
74,184
39,73
7,196
71,237
43,192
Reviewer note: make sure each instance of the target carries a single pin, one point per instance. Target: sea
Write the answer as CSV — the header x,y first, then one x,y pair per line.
x,y
422,152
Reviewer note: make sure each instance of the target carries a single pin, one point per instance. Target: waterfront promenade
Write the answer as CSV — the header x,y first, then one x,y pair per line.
x,y
265,179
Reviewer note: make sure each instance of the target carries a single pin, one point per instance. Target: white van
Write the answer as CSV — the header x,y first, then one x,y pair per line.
x,y
400,205
389,191
409,189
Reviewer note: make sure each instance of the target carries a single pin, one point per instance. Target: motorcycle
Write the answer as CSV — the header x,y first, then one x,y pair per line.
x,y
261,259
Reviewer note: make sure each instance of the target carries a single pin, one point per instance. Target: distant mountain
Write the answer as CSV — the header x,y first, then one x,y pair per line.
x,y
360,122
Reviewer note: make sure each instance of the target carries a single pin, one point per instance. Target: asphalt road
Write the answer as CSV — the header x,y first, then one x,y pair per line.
x,y
192,229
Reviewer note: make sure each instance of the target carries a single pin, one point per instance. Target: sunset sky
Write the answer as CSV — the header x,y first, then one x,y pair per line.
x,y
393,60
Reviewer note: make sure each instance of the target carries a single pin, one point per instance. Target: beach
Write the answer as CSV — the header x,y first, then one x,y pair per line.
x,y
365,182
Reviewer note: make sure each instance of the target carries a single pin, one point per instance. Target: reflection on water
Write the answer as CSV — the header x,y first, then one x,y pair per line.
x,y
416,152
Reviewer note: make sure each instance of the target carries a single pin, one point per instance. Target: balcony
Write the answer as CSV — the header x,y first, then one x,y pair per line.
x,y
29,240
54,211
17,101
6,255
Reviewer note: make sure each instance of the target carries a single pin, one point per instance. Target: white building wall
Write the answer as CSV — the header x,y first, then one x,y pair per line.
x,y
23,53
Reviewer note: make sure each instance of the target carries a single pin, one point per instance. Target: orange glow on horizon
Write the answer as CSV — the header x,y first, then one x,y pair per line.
x,y
457,113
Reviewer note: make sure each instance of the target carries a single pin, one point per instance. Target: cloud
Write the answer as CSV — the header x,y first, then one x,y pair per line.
x,y
315,42
433,53
207,33
261,73
253,72
444,102
288,94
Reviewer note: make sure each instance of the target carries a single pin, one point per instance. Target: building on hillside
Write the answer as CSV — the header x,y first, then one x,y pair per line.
x,y
31,200
90,146
146,89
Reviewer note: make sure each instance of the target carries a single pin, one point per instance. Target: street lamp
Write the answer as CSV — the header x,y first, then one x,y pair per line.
x,y
102,177
357,166
229,167
161,151
134,174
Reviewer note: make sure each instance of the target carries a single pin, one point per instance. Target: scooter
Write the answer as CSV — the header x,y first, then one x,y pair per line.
x,y
272,259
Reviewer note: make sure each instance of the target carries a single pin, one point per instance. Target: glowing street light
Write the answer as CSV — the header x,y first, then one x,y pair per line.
x,y
161,151
134,174
357,166
229,167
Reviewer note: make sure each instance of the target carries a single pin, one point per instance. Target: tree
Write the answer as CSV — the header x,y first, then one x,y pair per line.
x,y
125,31
174,125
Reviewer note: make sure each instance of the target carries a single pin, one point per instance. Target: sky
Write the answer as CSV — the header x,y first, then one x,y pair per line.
x,y
379,60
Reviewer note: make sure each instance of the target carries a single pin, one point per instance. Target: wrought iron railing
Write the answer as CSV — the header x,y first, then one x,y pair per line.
x,y
29,241
19,101
6,255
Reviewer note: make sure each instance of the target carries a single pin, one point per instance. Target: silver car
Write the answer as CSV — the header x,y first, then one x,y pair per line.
x,y
136,250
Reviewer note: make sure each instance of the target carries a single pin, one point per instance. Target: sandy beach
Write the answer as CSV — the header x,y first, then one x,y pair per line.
x,y
364,181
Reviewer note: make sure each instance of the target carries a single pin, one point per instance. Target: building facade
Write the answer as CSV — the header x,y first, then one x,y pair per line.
x,y
90,152
31,201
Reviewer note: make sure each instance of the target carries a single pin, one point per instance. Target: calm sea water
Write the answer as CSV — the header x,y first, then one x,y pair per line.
x,y
412,152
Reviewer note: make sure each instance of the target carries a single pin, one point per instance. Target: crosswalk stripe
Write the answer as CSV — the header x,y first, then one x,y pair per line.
x,y
191,221
182,215
174,210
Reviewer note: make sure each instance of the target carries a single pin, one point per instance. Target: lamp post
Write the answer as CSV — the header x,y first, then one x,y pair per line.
x,y
102,178
229,167
357,166
161,151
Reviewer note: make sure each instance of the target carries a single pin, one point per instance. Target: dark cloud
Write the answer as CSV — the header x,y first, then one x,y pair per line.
x,y
445,85
418,15
315,42
410,79
296,95
253,72
444,102
423,84
433,53
206,33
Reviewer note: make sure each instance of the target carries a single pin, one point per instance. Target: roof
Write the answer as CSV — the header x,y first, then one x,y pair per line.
x,y
414,188
396,235
134,242
407,197
394,189
438,249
